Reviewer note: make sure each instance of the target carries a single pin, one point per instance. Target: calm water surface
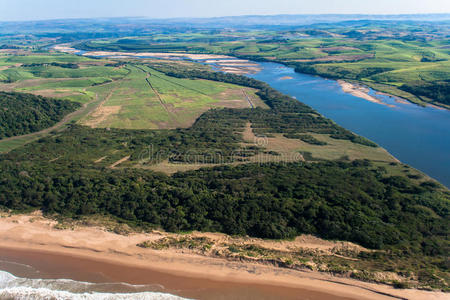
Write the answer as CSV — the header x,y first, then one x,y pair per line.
x,y
418,136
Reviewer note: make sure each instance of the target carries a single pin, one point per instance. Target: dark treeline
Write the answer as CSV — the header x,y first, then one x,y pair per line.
x,y
26,113
54,64
337,72
307,138
334,200
439,91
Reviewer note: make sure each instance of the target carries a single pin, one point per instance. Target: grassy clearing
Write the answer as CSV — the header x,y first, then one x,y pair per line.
x,y
333,150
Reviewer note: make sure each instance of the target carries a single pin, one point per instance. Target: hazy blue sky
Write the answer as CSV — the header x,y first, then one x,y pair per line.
x,y
54,9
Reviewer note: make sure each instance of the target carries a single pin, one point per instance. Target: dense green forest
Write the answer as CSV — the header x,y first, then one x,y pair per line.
x,y
439,90
25,113
335,200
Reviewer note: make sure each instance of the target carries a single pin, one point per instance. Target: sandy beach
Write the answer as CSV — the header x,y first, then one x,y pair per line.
x,y
33,239
360,92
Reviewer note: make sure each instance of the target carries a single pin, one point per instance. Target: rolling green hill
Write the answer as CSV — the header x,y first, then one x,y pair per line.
x,y
410,61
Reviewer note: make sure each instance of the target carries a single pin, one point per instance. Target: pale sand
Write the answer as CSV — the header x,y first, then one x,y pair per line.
x,y
360,92
228,63
67,49
286,78
237,64
239,70
154,54
35,233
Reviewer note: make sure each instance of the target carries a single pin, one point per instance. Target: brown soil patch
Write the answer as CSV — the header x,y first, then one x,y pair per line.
x,y
171,168
101,114
232,98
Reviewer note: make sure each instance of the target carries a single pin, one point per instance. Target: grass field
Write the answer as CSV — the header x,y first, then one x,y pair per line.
x,y
162,101
36,74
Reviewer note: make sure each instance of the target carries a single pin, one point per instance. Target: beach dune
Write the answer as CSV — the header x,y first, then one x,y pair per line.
x,y
82,253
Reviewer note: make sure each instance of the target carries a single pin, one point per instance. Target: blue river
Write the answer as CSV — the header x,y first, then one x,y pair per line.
x,y
418,136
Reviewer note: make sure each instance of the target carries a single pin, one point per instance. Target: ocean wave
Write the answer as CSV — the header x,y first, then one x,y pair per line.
x,y
12,287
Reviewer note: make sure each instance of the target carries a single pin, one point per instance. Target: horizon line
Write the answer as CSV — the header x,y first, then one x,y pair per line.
x,y
229,16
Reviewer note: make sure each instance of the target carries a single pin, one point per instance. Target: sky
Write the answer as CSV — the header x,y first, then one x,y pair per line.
x,y
19,10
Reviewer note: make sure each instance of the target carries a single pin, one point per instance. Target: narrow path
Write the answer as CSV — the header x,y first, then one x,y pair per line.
x,y
99,105
248,99
119,162
156,93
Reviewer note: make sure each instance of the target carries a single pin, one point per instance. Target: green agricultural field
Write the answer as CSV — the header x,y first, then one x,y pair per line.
x,y
54,75
148,99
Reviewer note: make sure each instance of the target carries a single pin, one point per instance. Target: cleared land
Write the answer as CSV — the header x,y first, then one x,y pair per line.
x,y
147,99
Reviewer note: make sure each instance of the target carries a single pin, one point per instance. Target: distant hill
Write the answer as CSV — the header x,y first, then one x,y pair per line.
x,y
109,26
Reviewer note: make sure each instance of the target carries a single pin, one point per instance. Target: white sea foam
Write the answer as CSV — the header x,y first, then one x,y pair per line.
x,y
12,287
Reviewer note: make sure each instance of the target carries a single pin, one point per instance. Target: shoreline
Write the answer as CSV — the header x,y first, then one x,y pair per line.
x,y
54,265
106,251
360,92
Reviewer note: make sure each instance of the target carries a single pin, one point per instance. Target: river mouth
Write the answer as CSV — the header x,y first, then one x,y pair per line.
x,y
418,136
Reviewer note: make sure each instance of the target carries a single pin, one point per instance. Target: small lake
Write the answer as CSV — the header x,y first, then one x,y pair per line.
x,y
418,136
